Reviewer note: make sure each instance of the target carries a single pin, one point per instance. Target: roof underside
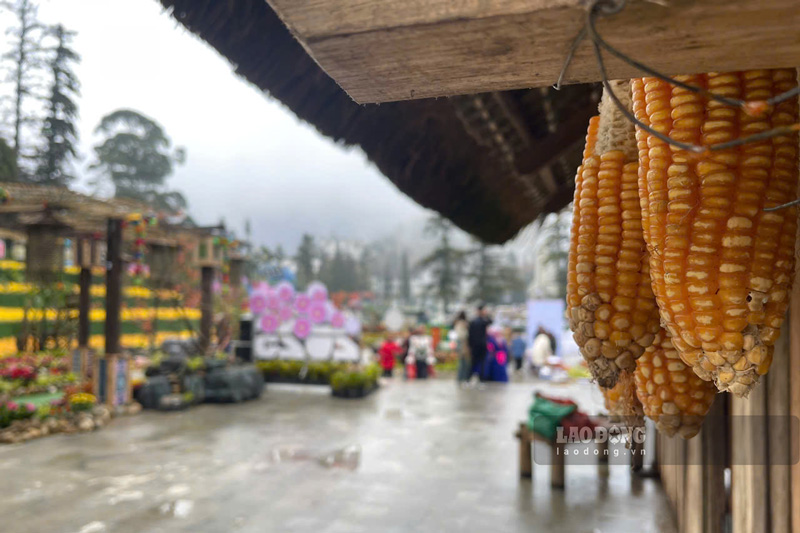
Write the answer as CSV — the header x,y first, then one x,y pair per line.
x,y
491,163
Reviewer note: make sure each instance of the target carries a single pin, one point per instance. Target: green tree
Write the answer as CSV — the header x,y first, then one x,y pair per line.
x,y
556,243
306,254
340,272
405,279
445,262
24,60
487,274
8,163
366,265
58,130
135,155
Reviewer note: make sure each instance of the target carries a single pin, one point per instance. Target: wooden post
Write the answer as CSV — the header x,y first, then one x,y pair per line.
x,y
557,466
84,306
113,327
206,307
113,286
525,463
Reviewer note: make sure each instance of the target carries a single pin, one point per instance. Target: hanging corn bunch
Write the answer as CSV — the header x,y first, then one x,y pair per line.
x,y
722,267
611,308
672,395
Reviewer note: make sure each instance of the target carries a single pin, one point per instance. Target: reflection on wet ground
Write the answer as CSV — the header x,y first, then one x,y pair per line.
x,y
424,456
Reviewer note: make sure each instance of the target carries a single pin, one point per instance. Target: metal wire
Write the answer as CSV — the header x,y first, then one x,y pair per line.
x,y
596,8
610,7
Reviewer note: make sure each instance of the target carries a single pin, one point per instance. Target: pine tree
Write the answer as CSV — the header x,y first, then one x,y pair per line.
x,y
24,59
445,262
405,279
306,254
58,130
8,163
488,275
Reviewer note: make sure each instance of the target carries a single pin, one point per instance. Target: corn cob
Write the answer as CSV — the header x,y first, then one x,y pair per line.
x,y
611,308
672,395
621,401
721,266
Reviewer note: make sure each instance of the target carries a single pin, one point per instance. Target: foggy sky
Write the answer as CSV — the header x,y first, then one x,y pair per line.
x,y
248,156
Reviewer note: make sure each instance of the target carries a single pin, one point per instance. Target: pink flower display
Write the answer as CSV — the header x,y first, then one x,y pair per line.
x,y
258,303
30,407
317,292
269,323
285,291
301,303
273,302
302,328
318,312
337,319
285,313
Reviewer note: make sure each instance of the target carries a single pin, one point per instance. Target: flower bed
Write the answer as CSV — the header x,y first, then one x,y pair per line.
x,y
34,374
355,382
77,412
317,373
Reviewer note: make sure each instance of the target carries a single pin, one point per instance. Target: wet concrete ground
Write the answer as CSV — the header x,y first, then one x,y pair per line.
x,y
420,456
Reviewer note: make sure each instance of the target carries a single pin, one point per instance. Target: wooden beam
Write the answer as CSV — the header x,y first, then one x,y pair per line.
x,y
381,51
546,152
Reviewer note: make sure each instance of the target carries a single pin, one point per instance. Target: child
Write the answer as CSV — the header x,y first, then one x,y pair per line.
x,y
387,352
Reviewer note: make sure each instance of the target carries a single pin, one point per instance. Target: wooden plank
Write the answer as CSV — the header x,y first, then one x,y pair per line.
x,y
778,393
381,51
794,408
749,472
716,437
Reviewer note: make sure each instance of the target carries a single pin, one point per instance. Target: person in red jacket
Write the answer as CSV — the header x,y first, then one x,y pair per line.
x,y
387,352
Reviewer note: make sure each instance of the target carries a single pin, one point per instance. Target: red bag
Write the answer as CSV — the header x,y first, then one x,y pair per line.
x,y
577,420
411,371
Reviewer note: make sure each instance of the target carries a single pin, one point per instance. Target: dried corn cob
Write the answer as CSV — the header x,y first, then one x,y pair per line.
x,y
611,308
672,395
621,401
721,266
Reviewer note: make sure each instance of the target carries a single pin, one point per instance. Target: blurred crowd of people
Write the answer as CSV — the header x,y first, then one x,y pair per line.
x,y
484,350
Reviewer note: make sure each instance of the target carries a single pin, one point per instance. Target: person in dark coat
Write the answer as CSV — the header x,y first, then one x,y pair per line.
x,y
477,341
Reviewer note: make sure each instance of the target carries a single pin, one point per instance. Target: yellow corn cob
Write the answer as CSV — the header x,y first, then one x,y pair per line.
x,y
672,395
621,401
610,304
721,266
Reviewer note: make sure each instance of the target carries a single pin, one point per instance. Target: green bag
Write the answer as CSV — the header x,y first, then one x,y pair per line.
x,y
545,416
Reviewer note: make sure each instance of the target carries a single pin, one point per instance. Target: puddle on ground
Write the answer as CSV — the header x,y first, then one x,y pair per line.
x,y
393,414
93,527
348,457
178,508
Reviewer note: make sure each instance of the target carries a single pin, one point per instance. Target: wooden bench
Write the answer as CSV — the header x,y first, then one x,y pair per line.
x,y
526,439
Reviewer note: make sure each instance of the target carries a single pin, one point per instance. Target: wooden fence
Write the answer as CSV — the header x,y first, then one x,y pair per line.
x,y
739,475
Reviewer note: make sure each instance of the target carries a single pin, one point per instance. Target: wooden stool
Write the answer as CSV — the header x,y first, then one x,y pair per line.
x,y
526,439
